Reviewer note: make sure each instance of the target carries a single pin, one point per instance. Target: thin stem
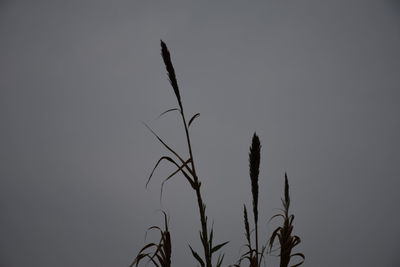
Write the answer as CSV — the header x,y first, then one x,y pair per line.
x,y
200,203
256,242
196,183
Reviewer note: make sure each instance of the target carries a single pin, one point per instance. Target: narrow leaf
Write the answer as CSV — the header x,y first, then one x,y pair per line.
x,y
197,257
194,117
217,247
158,163
220,260
166,146
167,111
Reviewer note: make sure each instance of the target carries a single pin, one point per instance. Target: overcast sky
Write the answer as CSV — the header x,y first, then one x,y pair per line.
x,y
318,81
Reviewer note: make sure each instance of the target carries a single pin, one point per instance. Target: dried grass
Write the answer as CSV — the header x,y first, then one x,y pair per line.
x,y
159,254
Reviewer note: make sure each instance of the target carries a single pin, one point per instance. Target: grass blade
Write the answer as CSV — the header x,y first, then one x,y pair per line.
x,y
218,247
167,111
167,146
194,117
197,256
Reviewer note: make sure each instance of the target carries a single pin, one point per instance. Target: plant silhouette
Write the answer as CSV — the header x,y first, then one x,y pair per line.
x,y
284,234
159,254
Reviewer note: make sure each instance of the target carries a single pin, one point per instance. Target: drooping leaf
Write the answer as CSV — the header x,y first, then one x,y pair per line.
x,y
167,111
158,163
298,255
194,117
180,168
159,254
166,146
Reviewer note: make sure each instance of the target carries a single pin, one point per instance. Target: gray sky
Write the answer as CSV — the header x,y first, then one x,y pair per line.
x,y
318,81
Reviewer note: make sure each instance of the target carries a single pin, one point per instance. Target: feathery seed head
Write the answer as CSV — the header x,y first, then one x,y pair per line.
x,y
287,197
254,162
171,72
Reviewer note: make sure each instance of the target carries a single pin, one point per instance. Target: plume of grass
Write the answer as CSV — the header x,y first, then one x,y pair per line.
x,y
252,254
186,167
171,71
283,234
254,163
159,254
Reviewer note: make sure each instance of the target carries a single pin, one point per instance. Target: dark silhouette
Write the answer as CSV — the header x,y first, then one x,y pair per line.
x,y
160,254
284,235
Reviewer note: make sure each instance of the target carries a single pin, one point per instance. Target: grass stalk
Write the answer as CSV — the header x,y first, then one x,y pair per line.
x,y
160,254
254,163
172,77
187,168
286,239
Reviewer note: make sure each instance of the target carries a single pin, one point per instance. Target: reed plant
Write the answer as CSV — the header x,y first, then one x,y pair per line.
x,y
254,162
159,254
253,254
284,233
187,168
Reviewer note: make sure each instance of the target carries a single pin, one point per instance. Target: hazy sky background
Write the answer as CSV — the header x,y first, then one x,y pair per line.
x,y
318,81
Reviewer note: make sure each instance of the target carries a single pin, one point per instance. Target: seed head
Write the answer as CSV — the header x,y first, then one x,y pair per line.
x,y
254,162
170,70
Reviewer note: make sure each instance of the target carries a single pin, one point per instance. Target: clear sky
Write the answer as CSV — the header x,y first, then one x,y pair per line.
x,y
318,80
